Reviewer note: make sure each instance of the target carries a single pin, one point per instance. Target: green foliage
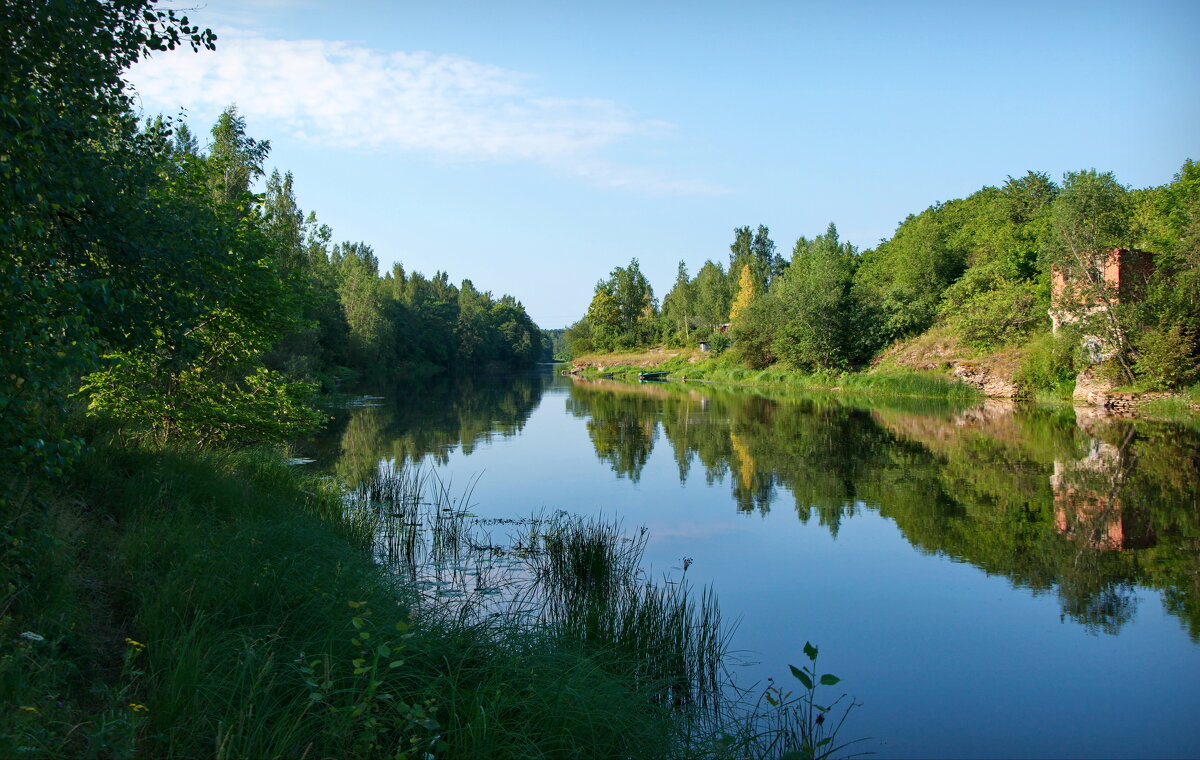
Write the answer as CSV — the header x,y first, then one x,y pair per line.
x,y
1049,365
679,309
156,404
189,307
713,292
820,317
558,346
907,275
979,268
236,621
1091,213
68,167
817,735
623,313
755,250
1169,357
752,336
236,159
988,309
579,338
1168,219
793,726
1090,217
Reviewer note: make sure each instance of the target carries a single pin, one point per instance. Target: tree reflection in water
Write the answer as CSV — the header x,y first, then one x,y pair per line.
x,y
1087,507
423,422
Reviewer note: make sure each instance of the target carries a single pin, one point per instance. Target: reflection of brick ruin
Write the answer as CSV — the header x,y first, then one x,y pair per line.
x,y
1115,275
1087,502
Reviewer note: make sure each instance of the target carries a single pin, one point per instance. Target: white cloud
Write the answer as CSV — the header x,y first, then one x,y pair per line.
x,y
345,96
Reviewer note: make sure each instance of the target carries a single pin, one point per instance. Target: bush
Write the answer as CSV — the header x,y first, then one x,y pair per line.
x,y
1049,365
753,333
988,310
1170,357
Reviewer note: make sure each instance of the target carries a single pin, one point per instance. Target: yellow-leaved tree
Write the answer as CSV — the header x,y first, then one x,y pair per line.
x,y
746,293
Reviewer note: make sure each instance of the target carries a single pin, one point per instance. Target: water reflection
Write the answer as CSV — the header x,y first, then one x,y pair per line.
x,y
1088,508
1085,508
425,422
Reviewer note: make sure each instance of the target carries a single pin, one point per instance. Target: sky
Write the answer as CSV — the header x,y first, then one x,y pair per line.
x,y
532,147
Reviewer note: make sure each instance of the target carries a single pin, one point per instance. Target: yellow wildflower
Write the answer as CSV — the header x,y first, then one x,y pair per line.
x,y
134,644
29,709
138,708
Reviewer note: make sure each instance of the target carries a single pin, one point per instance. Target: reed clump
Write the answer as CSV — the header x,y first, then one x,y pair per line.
x,y
576,580
589,575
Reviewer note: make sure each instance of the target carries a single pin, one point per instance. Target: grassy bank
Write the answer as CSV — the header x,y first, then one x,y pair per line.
x,y
183,604
694,366
1184,405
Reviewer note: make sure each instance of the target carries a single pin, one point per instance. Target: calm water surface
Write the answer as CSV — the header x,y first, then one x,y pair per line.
x,y
988,581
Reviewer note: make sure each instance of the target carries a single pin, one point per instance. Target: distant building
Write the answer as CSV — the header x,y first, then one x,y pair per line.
x,y
1120,273
704,347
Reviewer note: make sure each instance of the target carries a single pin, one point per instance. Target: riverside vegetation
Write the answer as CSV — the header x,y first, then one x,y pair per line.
x,y
169,587
967,281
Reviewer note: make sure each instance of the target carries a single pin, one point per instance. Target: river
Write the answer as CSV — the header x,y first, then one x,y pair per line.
x,y
988,581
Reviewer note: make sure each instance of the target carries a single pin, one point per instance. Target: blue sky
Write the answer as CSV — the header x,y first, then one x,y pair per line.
x,y
532,147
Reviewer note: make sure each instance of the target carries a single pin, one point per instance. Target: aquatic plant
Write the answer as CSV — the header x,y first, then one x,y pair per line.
x,y
794,726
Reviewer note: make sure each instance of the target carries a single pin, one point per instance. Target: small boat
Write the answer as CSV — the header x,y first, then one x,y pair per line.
x,y
652,375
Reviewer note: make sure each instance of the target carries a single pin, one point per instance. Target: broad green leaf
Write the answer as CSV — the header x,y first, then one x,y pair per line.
x,y
801,676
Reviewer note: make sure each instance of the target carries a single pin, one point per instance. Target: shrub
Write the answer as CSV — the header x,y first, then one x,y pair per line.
x,y
1049,365
1170,357
986,309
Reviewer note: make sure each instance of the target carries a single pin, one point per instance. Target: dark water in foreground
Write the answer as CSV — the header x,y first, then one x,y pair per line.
x,y
988,582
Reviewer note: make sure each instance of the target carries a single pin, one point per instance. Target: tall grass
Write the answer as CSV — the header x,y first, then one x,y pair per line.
x,y
1182,406
892,383
578,581
667,637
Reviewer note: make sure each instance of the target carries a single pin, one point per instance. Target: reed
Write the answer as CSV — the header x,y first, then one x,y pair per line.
x,y
578,580
589,575
227,606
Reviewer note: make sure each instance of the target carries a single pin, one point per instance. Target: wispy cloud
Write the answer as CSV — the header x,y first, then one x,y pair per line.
x,y
346,96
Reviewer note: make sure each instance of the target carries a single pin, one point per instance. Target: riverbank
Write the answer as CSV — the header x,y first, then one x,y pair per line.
x,y
220,604
691,365
925,374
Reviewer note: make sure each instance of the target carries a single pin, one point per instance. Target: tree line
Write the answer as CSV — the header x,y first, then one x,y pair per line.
x,y
979,268
144,281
